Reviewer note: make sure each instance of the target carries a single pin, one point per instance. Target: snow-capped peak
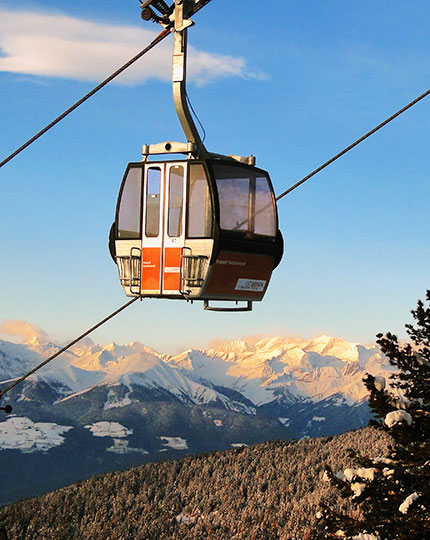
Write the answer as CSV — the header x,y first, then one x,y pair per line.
x,y
307,369
237,346
34,340
261,370
329,346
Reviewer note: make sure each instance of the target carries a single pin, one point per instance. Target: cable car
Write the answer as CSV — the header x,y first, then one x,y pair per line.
x,y
204,227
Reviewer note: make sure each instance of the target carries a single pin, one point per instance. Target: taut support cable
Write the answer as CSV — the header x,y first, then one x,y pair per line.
x,y
351,146
157,40
66,347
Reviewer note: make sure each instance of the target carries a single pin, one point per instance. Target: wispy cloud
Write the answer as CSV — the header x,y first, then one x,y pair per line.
x,y
21,329
55,45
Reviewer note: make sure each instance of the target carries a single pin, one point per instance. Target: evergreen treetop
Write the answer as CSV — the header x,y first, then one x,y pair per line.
x,y
392,503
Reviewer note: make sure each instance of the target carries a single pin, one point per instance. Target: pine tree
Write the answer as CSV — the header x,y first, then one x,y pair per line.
x,y
392,493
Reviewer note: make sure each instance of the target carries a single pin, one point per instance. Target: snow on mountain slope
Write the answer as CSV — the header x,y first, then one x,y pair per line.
x,y
297,369
147,370
18,359
95,357
90,365
45,348
15,360
68,378
262,371
17,433
115,406
329,346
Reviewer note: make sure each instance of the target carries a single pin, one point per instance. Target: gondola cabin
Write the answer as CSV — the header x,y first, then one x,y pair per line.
x,y
196,229
200,228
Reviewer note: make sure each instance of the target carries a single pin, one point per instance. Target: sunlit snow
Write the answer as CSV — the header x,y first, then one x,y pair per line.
x,y
357,488
394,417
367,473
384,460
379,383
185,518
404,507
114,401
287,369
109,429
20,433
177,443
299,369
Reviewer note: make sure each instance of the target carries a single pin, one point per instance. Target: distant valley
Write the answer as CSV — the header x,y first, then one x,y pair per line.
x,y
100,408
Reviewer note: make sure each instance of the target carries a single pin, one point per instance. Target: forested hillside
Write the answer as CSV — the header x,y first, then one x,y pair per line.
x,y
268,491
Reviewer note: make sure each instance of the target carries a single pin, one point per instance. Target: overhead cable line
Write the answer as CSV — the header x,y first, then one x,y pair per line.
x,y
351,146
197,7
153,43
66,347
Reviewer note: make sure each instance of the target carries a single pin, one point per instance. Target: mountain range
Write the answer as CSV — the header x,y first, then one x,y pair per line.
x,y
99,408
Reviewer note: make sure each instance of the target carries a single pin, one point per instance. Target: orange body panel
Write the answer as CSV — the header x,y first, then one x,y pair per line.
x,y
151,262
171,271
240,274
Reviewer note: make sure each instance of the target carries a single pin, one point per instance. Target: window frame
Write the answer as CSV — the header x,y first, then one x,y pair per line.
x,y
255,173
135,165
178,221
145,206
211,199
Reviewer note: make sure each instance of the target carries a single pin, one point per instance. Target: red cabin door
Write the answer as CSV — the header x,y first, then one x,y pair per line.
x,y
163,228
174,227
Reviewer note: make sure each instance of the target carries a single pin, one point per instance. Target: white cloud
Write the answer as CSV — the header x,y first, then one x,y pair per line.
x,y
22,329
55,45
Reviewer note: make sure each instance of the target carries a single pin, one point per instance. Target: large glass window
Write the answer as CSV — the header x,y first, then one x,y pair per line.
x,y
245,200
129,208
233,196
199,204
153,186
176,196
265,218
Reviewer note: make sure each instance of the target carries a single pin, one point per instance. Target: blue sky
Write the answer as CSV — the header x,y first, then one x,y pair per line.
x,y
293,84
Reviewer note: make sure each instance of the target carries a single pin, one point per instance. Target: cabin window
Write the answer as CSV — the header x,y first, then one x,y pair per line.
x,y
233,196
199,204
176,195
246,201
129,208
153,186
265,217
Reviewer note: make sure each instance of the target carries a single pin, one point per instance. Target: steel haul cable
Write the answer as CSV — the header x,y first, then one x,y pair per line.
x,y
66,347
353,145
342,152
157,40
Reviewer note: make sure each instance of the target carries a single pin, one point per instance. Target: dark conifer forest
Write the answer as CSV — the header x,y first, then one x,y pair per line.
x,y
268,491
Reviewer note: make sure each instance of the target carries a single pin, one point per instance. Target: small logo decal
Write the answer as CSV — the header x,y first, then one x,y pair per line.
x,y
255,285
171,269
